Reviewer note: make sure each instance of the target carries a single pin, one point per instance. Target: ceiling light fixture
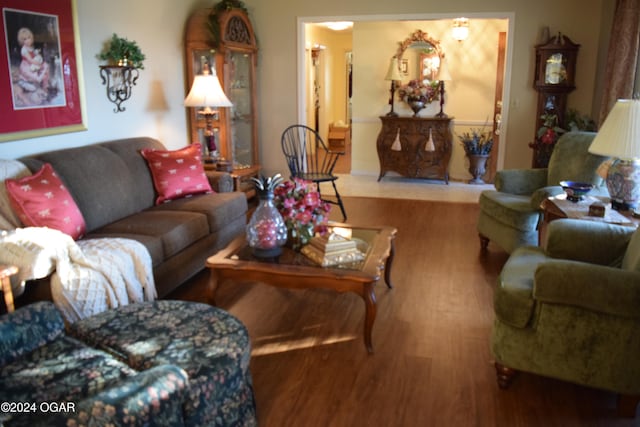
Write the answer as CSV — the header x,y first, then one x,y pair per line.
x,y
460,30
338,25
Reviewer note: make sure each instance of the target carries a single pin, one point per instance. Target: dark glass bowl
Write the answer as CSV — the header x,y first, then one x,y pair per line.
x,y
576,190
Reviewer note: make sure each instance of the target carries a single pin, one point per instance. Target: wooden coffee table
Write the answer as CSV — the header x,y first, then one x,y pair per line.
x,y
294,270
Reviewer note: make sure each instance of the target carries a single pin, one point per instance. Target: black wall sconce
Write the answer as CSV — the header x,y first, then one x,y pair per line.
x,y
125,59
119,81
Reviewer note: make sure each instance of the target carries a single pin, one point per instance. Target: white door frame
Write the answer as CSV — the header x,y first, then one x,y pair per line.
x,y
509,16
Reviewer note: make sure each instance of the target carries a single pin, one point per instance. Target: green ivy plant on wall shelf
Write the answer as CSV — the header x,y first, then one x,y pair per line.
x,y
125,59
122,52
214,18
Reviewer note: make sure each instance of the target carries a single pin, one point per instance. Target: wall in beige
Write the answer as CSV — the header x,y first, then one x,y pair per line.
x,y
276,23
156,106
469,95
332,75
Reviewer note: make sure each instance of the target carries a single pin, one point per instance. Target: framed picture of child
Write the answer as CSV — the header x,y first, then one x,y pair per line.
x,y
41,70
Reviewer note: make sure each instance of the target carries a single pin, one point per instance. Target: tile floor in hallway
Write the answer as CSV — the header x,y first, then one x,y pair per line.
x,y
395,187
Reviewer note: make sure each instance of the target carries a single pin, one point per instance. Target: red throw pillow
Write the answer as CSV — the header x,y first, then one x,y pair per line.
x,y
42,200
178,173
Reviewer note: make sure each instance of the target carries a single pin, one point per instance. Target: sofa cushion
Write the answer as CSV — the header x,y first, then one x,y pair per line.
x,y
152,243
63,370
510,209
513,298
28,328
178,173
9,169
108,181
176,230
631,260
42,200
219,208
211,345
150,398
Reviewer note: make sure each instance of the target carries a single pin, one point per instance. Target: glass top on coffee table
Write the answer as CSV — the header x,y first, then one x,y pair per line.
x,y
365,237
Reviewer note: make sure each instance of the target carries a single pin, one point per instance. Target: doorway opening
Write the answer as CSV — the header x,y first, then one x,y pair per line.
x,y
352,65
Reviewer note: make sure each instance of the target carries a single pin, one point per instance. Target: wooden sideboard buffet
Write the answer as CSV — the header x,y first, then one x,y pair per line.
x,y
412,156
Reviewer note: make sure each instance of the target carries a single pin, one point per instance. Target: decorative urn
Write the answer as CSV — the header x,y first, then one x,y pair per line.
x,y
266,231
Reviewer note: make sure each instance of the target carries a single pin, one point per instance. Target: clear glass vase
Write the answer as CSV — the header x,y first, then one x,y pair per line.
x,y
266,231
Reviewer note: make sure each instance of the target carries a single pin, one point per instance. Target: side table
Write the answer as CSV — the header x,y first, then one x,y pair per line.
x,y
6,271
558,207
241,178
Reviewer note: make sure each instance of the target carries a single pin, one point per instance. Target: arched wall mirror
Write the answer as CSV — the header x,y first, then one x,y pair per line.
x,y
419,56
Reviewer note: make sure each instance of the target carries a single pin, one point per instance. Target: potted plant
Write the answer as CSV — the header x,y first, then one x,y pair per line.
x,y
477,145
546,137
122,52
577,121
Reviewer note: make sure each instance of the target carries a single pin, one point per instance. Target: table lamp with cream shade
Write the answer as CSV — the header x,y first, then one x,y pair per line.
x,y
443,76
207,94
393,74
619,137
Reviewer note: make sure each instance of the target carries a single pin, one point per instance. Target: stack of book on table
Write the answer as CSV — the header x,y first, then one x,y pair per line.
x,y
331,250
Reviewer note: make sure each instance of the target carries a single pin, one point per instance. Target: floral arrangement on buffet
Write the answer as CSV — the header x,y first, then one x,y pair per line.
x,y
304,213
419,90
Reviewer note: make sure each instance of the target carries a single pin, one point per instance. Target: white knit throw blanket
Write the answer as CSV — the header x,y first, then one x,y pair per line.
x,y
88,276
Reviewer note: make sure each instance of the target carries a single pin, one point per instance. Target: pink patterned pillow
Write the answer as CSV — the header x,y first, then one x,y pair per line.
x,y
178,173
42,200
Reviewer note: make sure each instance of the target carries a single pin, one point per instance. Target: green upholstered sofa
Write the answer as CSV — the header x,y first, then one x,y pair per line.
x,y
166,363
113,188
509,215
571,310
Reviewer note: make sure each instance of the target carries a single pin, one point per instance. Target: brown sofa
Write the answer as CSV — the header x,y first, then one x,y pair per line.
x,y
113,188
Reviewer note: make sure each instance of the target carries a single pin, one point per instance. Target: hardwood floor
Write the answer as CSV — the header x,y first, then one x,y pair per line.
x,y
432,364
343,165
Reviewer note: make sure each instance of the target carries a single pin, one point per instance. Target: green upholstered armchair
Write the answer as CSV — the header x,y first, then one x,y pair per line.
x,y
509,215
571,310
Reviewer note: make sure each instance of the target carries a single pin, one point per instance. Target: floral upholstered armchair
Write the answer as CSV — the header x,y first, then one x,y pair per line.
x,y
509,215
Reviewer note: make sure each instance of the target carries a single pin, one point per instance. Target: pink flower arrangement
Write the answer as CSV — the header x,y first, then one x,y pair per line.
x,y
417,90
304,213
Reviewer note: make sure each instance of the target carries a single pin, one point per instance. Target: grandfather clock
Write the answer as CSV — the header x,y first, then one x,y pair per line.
x,y
554,79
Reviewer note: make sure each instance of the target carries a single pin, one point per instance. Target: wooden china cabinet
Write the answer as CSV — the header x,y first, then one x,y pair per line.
x,y
234,58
